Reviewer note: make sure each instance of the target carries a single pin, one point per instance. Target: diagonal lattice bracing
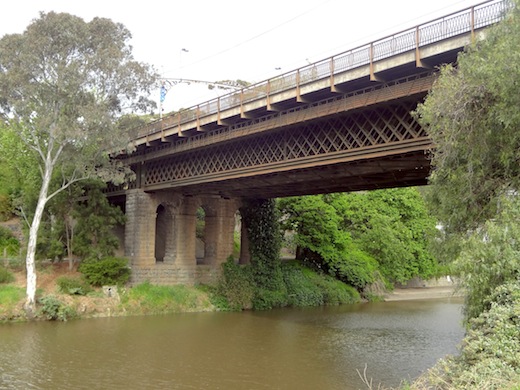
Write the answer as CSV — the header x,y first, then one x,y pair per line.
x,y
388,124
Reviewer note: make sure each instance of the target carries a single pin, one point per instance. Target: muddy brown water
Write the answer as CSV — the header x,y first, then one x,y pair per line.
x,y
311,348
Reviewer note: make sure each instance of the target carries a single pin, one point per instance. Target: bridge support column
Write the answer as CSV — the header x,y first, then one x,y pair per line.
x,y
185,233
140,227
219,230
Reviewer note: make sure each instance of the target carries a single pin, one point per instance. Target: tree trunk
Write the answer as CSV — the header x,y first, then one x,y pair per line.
x,y
30,304
69,230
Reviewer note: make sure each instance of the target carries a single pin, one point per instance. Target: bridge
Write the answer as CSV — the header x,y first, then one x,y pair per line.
x,y
341,124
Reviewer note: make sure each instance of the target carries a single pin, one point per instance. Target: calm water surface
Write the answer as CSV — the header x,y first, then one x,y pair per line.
x,y
316,348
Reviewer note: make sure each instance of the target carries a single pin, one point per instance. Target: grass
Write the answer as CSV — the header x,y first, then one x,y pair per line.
x,y
10,298
146,298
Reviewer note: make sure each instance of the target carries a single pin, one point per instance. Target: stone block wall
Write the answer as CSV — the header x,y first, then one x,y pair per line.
x,y
170,274
175,233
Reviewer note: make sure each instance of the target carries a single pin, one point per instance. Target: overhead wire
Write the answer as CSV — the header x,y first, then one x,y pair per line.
x,y
254,37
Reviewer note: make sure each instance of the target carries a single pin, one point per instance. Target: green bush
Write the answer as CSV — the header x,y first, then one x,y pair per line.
x,y
8,242
5,275
6,208
301,290
489,358
268,299
72,286
53,309
236,285
107,271
308,288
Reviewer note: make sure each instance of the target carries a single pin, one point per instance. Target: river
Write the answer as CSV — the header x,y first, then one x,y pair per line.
x,y
311,348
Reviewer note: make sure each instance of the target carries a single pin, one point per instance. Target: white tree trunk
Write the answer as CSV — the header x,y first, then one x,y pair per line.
x,y
30,303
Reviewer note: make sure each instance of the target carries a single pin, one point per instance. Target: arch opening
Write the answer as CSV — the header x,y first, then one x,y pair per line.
x,y
161,230
200,236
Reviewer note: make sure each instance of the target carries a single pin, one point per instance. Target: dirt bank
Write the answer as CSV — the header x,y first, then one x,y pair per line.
x,y
403,294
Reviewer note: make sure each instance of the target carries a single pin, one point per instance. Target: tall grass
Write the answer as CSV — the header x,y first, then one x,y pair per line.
x,y
146,298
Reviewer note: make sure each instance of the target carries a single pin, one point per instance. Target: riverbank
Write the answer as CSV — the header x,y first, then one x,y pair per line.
x,y
404,294
138,301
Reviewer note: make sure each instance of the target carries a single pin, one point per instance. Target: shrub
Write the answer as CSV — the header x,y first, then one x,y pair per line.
x,y
6,208
236,285
301,289
53,309
72,286
308,288
489,357
8,242
5,275
267,299
107,271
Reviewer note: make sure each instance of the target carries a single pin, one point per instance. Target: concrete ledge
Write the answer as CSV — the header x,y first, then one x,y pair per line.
x,y
170,274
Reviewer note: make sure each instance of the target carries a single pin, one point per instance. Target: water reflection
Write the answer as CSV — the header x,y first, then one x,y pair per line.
x,y
282,349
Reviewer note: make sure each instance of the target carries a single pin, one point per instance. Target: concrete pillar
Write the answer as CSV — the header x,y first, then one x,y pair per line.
x,y
219,230
184,233
140,228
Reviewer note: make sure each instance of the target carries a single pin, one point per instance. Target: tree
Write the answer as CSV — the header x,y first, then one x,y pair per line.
x,y
354,235
472,116
96,219
322,242
63,82
394,227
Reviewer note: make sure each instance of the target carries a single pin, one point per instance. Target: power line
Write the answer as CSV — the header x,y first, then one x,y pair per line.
x,y
254,37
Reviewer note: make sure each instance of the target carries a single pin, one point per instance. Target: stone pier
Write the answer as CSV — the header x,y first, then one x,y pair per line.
x,y
174,239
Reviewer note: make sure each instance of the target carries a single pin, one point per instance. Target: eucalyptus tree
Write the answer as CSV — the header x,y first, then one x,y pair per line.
x,y
63,83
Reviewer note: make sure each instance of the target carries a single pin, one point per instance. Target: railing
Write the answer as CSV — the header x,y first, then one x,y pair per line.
x,y
467,20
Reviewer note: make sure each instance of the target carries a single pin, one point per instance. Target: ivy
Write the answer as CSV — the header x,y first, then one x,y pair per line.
x,y
261,219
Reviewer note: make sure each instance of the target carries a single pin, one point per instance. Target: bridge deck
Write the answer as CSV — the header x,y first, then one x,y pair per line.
x,y
400,54
342,124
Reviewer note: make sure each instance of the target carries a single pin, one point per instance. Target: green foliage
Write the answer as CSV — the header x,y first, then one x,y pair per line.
x,y
236,285
308,288
54,310
8,243
5,275
63,83
472,116
201,224
261,219
11,298
325,246
302,287
6,208
146,298
96,219
352,236
489,358
107,271
490,257
72,286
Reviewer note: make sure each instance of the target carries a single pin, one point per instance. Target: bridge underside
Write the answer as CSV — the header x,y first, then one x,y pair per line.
x,y
399,170
374,147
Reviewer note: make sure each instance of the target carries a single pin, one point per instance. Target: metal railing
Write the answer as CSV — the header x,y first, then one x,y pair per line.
x,y
466,21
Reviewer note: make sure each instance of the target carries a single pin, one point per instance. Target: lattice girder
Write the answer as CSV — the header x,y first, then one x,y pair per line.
x,y
380,127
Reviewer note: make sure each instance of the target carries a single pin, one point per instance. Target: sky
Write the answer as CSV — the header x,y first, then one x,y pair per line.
x,y
213,40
